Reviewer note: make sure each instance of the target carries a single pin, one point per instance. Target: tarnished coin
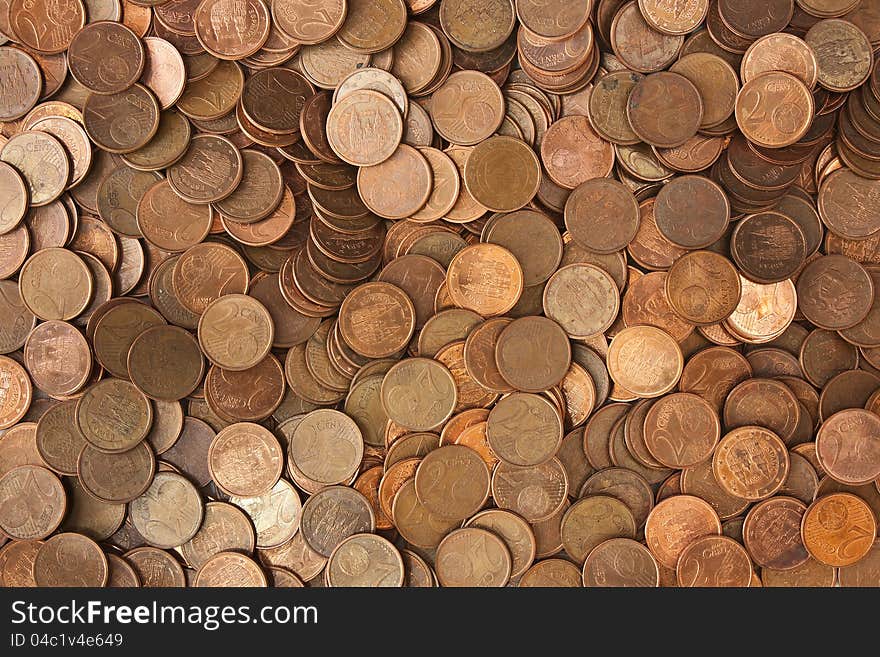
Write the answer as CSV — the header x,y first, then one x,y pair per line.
x,y
334,514
245,459
32,502
645,360
230,569
847,444
114,416
602,215
41,161
165,363
70,559
681,430
518,345
106,57
235,332
772,533
169,513
473,557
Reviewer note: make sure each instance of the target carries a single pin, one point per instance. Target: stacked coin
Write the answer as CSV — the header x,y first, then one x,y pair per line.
x,y
457,292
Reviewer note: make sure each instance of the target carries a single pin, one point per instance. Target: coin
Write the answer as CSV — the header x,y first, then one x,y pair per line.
x,y
517,345
245,459
672,122
763,447
463,279
154,374
230,569
459,96
502,173
845,446
676,522
70,559
33,502
838,529
602,215
714,561
101,42
473,557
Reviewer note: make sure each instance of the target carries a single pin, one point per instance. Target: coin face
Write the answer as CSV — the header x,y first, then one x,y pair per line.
x,y
754,445
358,142
385,567
676,522
838,529
240,443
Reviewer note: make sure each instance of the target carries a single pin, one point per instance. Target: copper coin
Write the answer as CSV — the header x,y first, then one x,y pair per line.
x,y
106,57
33,501
763,402
639,46
645,360
473,557
773,230
114,416
122,122
524,429
209,171
790,107
703,287
165,363
573,153
155,567
692,211
463,279
116,477
716,561
44,29
672,418
835,292
665,109
602,215
169,513
845,446
467,94
676,522
226,41
70,559
235,332
838,529
516,348
206,272
502,174
751,463
360,144
591,521
398,187
41,161
234,448
827,35
547,485
24,83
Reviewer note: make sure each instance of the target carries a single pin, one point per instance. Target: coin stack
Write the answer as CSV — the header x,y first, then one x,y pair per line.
x,y
463,292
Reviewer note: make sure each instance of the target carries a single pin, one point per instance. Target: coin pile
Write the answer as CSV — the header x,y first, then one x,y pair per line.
x,y
457,292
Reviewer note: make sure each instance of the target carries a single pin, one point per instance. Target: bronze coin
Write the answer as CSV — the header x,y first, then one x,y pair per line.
x,y
602,215
692,212
70,559
41,161
645,360
464,273
672,418
763,402
823,301
165,363
665,109
106,57
703,287
516,348
122,122
573,153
